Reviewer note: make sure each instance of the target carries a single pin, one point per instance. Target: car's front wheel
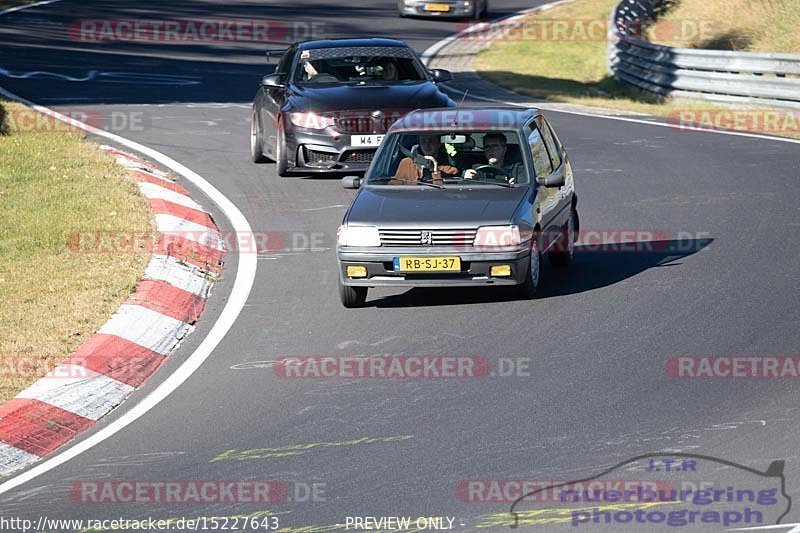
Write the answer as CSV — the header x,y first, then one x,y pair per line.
x,y
476,11
562,254
529,287
281,161
352,296
256,140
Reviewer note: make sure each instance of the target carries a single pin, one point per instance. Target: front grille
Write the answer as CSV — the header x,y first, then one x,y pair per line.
x,y
354,125
359,156
315,157
438,237
364,124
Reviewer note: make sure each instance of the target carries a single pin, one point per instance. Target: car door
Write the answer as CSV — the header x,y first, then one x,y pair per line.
x,y
546,202
562,194
274,98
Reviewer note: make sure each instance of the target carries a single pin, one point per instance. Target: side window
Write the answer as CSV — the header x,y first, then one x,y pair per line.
x,y
541,160
553,133
286,61
551,144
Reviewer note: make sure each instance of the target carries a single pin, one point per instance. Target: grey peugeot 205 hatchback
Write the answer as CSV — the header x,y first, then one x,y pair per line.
x,y
469,196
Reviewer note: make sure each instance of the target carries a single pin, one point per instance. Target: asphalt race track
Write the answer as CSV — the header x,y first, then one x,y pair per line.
x,y
599,337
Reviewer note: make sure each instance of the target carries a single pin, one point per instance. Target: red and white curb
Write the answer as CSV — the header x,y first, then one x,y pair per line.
x,y
135,341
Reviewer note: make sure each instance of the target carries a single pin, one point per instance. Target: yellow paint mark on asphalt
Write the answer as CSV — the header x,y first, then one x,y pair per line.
x,y
298,449
540,517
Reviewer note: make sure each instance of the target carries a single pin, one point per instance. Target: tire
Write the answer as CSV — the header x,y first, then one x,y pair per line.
x,y
281,162
486,9
529,287
562,256
256,140
476,15
352,297
400,9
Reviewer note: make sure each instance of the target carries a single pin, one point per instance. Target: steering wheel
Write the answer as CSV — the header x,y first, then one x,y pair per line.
x,y
491,169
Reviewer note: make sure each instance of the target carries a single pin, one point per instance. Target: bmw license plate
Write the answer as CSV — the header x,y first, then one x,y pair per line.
x,y
427,264
370,141
438,8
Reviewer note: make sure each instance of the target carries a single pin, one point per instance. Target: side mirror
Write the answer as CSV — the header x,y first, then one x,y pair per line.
x,y
555,179
441,75
273,81
351,182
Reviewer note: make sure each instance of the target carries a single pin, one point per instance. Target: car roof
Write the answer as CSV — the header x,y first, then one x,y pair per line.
x,y
470,118
340,43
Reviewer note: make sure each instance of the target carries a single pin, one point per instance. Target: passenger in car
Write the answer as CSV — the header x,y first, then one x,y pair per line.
x,y
495,149
389,70
440,164
313,73
310,70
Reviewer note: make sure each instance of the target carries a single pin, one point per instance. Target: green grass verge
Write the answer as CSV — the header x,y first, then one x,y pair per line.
x,y
751,25
52,184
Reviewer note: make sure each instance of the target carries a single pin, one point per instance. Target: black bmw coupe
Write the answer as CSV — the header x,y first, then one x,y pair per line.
x,y
329,103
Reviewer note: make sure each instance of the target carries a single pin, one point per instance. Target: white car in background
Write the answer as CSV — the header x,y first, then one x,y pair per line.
x,y
476,9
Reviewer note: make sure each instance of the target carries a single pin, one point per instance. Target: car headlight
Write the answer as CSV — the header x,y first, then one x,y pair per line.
x,y
497,236
311,121
358,236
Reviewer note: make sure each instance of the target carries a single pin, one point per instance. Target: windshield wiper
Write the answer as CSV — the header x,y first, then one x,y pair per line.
x,y
500,183
404,180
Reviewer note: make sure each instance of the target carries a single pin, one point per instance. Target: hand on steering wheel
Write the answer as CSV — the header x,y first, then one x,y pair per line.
x,y
490,169
493,169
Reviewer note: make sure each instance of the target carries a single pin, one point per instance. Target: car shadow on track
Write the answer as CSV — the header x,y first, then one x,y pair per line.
x,y
592,269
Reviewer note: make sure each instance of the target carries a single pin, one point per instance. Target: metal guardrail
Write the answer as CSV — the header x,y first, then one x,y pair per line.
x,y
744,77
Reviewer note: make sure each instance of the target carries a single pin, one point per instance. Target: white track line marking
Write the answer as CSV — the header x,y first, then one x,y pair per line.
x,y
245,276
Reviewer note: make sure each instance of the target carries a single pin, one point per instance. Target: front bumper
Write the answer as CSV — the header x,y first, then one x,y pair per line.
x,y
456,9
321,152
475,267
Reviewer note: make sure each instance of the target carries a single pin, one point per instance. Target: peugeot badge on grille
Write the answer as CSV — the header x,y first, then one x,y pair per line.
x,y
426,237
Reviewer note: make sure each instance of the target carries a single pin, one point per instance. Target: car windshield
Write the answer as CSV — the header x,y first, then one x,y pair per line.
x,y
486,158
358,65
